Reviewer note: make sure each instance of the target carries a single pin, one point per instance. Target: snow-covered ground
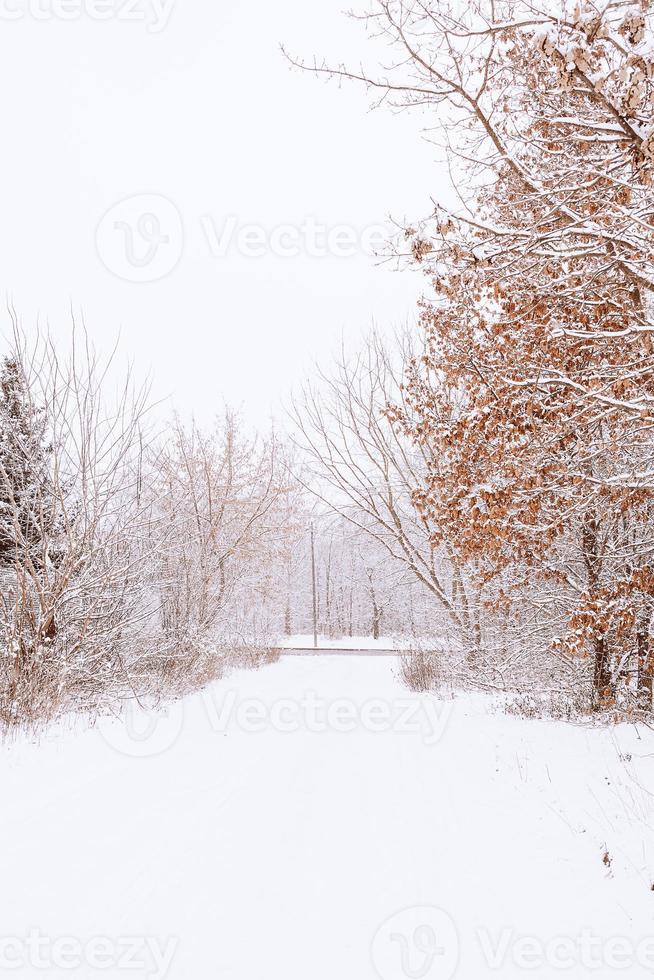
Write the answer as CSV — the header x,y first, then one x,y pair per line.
x,y
315,821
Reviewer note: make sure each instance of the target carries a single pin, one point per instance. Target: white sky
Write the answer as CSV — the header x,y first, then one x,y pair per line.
x,y
206,113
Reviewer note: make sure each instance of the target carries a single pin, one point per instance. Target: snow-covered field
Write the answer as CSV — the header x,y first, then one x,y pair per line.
x,y
315,821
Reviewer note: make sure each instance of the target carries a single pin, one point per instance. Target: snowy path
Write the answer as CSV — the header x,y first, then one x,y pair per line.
x,y
248,852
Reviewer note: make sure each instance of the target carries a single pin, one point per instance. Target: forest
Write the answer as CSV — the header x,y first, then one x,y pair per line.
x,y
476,485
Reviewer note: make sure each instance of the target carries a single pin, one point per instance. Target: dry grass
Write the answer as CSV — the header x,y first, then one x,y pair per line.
x,y
421,669
38,688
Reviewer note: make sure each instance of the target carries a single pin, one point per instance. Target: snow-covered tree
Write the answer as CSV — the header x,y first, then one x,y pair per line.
x,y
77,622
226,499
28,512
534,398
364,469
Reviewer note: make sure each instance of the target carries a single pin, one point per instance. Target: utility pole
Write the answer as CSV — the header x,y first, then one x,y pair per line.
x,y
315,598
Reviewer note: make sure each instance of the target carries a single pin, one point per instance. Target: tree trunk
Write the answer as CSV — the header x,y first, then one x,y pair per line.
x,y
645,666
376,620
602,686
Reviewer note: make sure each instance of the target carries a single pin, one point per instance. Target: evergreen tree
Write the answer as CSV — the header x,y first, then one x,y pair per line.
x,y
27,512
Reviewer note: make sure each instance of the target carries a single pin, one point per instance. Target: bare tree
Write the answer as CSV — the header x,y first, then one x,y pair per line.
x,y
225,498
77,615
364,468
